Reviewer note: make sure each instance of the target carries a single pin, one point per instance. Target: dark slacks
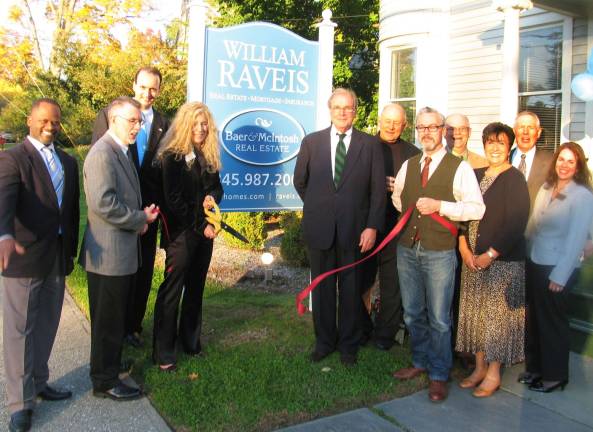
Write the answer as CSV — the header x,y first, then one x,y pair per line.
x,y
141,284
31,313
107,305
548,334
390,315
345,333
186,267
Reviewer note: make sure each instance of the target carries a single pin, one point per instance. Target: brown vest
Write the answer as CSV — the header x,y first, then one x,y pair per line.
x,y
432,234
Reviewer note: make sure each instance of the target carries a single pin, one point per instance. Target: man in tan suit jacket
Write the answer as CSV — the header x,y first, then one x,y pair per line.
x,y
457,133
536,161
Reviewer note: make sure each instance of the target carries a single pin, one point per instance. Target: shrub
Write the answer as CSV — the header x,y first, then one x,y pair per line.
x,y
293,247
251,225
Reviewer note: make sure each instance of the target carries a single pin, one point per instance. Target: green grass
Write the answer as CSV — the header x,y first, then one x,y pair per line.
x,y
256,375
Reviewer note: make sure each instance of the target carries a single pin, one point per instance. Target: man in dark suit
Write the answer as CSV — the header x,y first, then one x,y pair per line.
x,y
147,85
534,163
396,151
39,220
339,175
110,251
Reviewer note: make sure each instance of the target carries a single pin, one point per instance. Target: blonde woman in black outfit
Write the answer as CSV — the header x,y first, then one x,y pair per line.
x,y
492,299
191,183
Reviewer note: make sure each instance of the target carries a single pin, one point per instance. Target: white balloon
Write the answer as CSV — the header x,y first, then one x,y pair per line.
x,y
582,86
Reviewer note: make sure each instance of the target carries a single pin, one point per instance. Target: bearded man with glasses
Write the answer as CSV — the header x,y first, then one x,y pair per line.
x,y
439,190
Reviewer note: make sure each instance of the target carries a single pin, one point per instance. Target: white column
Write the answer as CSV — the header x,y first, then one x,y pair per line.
x,y
509,101
196,50
325,68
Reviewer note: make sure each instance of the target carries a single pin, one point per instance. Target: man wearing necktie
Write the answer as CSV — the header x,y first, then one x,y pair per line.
x,y
339,175
147,88
441,190
110,251
534,163
39,221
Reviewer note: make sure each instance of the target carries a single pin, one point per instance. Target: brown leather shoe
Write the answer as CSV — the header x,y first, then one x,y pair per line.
x,y
437,391
408,373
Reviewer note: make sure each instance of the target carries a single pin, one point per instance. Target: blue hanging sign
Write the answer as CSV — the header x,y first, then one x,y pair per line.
x,y
261,86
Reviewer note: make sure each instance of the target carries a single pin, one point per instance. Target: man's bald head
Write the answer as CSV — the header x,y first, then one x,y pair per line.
x,y
457,132
392,122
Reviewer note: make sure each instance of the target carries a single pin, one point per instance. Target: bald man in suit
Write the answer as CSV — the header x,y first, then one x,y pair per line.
x,y
39,220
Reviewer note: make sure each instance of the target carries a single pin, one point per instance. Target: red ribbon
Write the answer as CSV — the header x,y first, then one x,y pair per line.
x,y
392,234
164,220
165,228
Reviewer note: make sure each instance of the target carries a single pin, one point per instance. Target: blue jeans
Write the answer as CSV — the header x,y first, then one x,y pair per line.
x,y
427,280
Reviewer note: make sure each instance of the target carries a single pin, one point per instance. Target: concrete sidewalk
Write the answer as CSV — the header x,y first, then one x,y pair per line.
x,y
513,408
69,369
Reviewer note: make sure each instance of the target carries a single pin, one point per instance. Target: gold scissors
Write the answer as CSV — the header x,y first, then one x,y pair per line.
x,y
214,218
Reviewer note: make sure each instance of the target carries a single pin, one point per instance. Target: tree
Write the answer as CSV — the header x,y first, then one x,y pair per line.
x,y
356,59
90,66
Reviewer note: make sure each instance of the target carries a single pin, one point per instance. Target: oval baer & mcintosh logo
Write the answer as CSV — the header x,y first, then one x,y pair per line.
x,y
262,137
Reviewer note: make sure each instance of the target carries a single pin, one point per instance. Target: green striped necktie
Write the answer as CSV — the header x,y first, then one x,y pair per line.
x,y
340,159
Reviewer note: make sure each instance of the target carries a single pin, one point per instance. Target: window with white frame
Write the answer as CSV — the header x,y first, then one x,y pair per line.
x,y
540,79
403,85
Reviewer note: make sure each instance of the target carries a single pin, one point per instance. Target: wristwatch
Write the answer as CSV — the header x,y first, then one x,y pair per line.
x,y
490,254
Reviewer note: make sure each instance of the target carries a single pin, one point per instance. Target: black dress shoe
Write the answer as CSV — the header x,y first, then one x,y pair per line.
x,y
20,421
528,378
547,386
317,356
52,394
384,346
133,339
348,360
120,392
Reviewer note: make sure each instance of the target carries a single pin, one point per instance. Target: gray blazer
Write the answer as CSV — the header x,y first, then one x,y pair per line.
x,y
557,230
110,245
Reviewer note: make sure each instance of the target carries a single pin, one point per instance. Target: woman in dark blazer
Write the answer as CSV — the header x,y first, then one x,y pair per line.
x,y
556,235
191,183
492,297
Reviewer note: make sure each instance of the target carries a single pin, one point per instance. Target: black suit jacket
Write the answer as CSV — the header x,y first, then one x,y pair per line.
x,y
394,155
539,171
358,202
185,188
29,210
149,172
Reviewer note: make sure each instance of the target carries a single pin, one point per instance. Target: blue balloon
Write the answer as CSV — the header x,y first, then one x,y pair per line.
x,y
582,86
590,63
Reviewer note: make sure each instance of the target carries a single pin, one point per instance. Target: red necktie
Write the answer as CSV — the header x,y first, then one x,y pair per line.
x,y
424,175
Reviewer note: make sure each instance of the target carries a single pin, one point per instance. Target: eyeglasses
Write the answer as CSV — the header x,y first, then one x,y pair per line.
x,y
431,128
462,129
132,122
347,110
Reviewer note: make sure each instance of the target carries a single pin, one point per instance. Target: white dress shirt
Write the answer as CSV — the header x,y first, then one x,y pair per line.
x,y
334,144
529,156
122,146
468,204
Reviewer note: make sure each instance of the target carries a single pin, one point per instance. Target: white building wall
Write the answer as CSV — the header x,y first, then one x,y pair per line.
x,y
475,64
580,54
459,59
